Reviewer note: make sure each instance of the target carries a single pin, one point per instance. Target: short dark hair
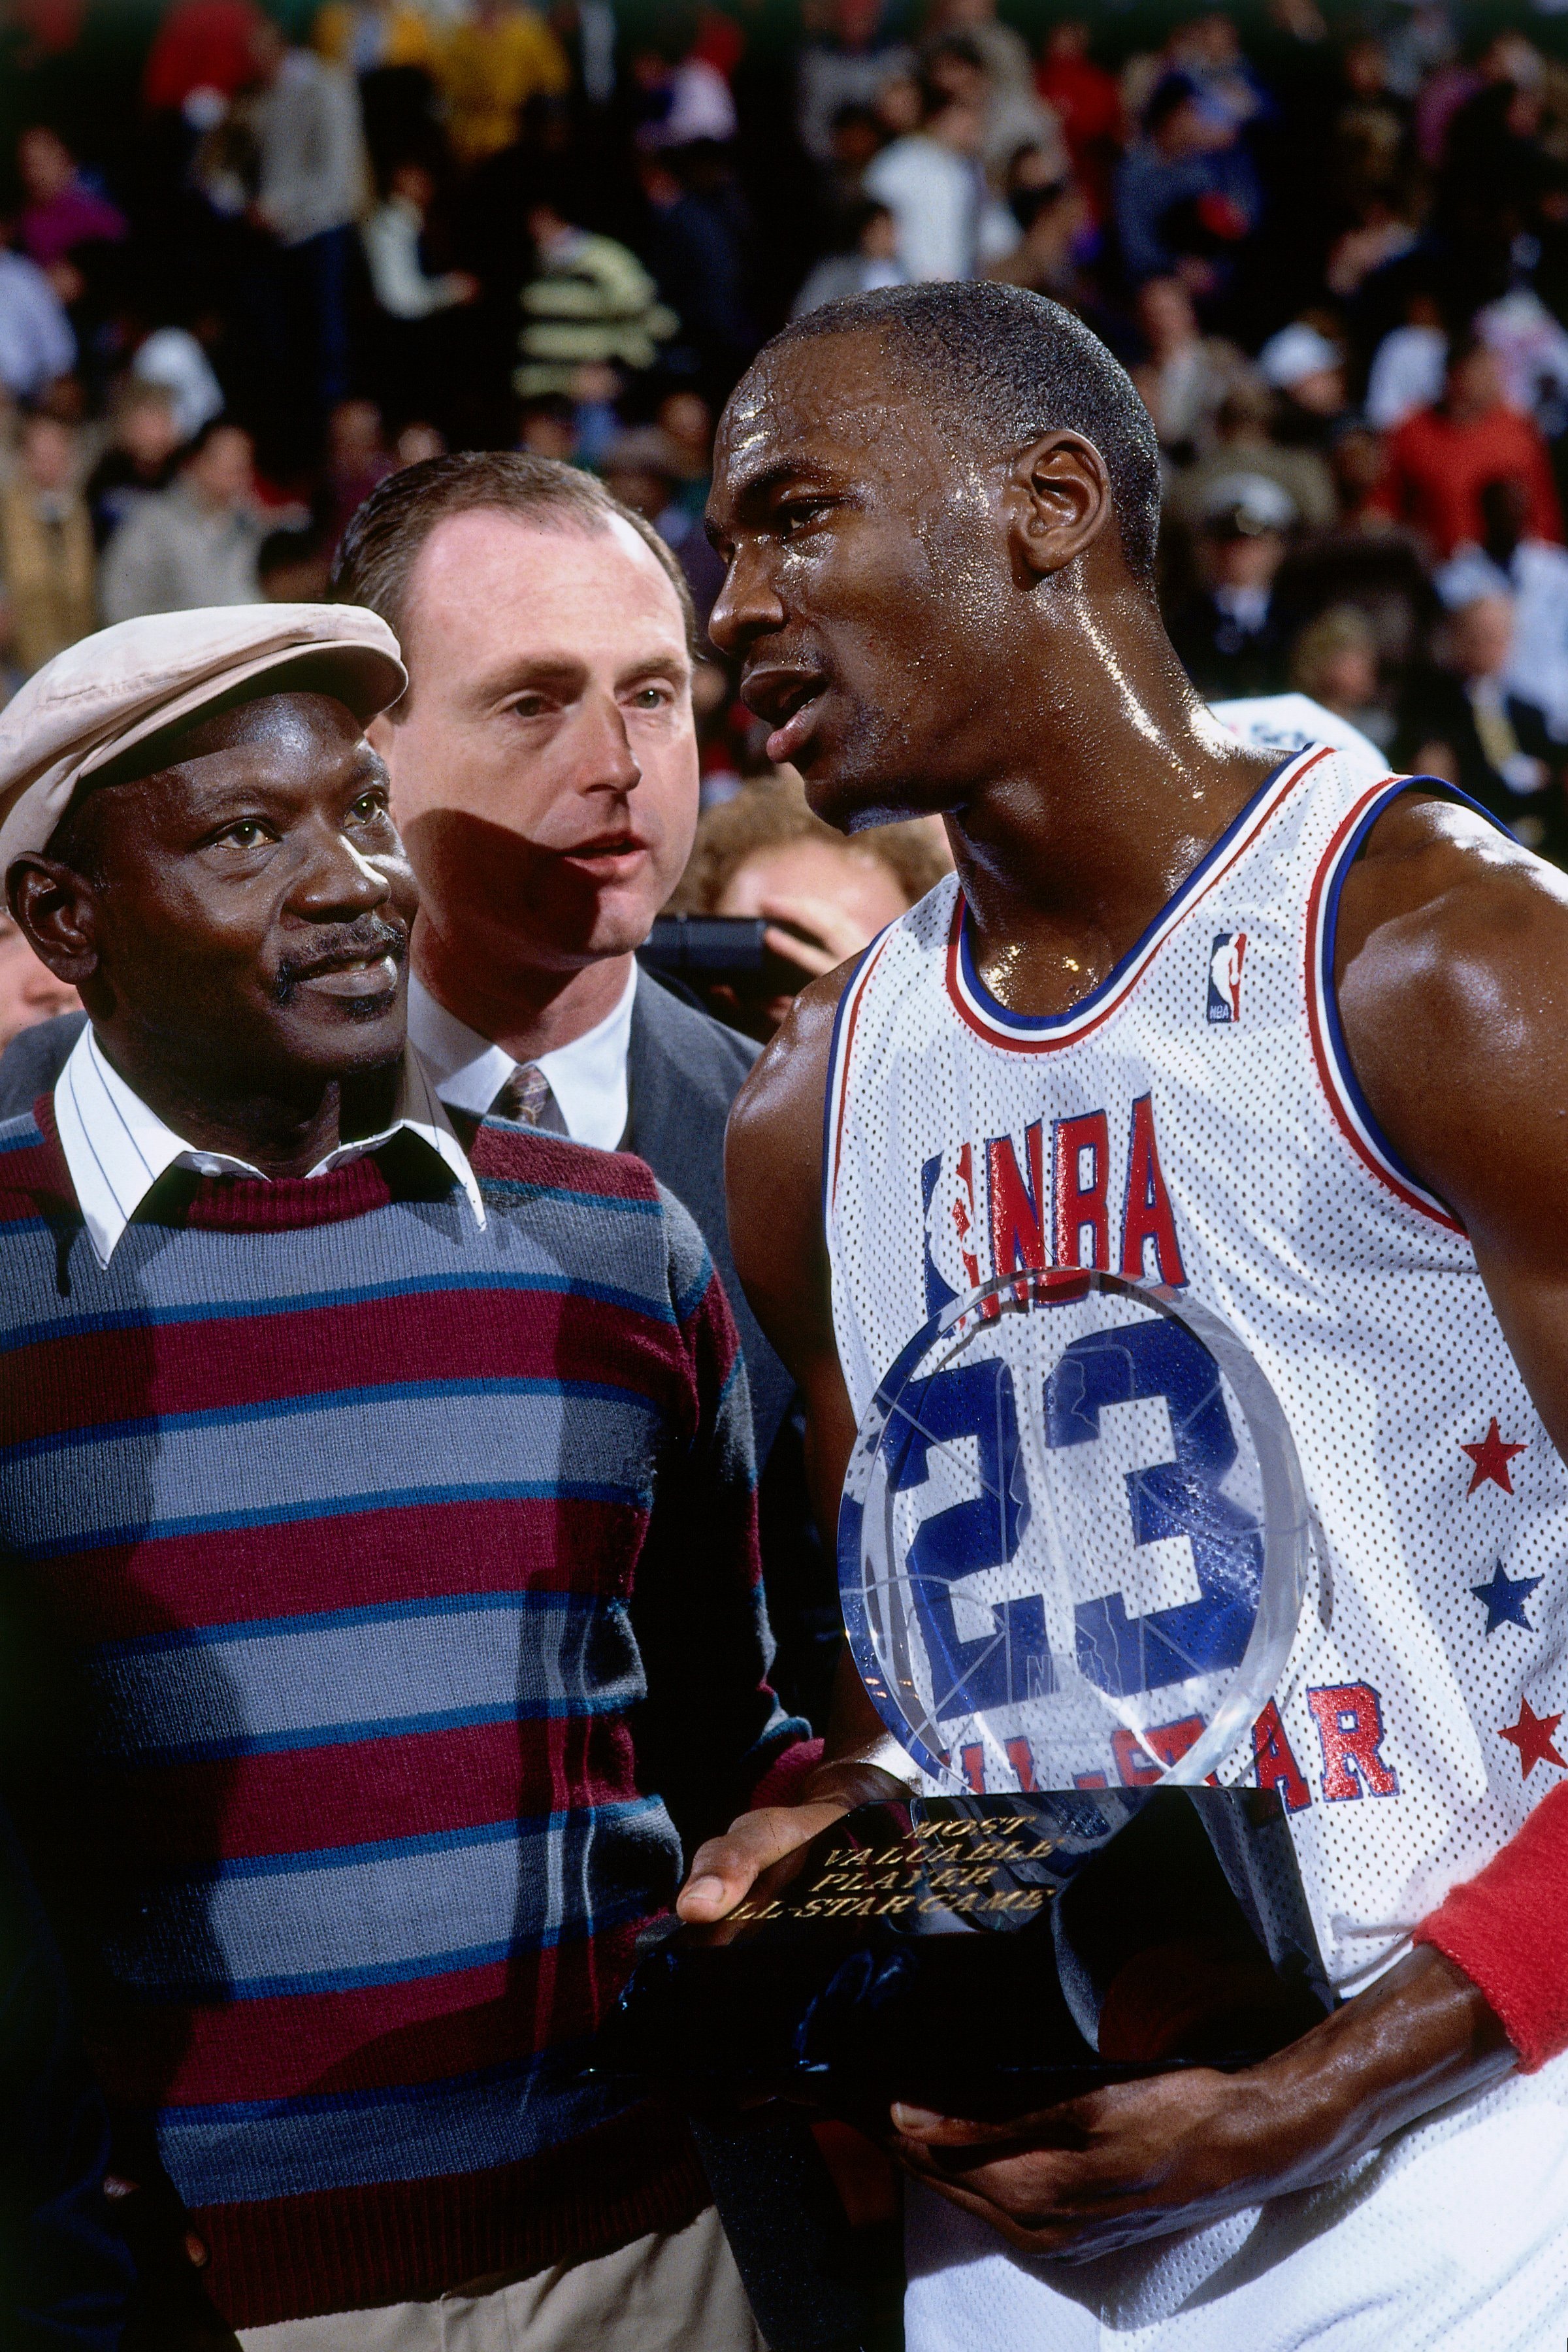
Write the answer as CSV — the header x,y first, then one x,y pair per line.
x,y
386,535
1007,366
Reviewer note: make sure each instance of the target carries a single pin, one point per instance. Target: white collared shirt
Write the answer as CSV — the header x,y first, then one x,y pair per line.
x,y
117,1149
587,1078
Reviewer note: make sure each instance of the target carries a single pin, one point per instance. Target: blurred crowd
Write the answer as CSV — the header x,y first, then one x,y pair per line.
x,y
254,259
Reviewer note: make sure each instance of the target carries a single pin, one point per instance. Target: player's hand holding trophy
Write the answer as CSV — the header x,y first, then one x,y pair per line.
x,y
1073,1553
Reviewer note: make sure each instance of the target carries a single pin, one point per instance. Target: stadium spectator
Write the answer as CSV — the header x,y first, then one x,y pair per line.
x,y
1244,444
1086,102
1183,192
1408,366
144,441
643,470
761,853
490,64
1188,374
1056,231
357,459
374,35
47,561
313,182
1307,372
850,66
294,566
975,71
204,49
1442,458
589,303
194,544
870,259
399,280
1228,633
932,181
687,422
1335,660
37,345
1462,723
1533,572
173,357
700,243
60,210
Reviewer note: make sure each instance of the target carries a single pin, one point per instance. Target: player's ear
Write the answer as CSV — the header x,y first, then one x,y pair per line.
x,y
1059,493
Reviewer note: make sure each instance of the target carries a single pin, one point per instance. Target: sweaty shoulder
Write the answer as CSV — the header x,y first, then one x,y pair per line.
x,y
1451,972
773,1171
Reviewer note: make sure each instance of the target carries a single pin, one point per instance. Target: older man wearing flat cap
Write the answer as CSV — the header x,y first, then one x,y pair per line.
x,y
383,1538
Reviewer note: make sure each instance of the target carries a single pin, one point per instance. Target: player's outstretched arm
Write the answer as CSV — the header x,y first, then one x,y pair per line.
x,y
774,1177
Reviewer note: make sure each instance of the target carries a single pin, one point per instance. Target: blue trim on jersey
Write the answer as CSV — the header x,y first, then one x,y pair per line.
x,y
830,1090
1344,1069
1036,1025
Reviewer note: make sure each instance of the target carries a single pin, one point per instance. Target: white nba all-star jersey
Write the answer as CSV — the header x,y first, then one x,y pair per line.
x,y
1196,1118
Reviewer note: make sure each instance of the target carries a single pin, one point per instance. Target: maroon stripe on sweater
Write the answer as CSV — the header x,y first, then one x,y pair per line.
x,y
420,1785
426,2031
249,1575
551,1160
89,1379
414,2241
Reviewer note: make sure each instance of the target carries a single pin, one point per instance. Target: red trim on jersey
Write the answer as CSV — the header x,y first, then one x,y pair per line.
x,y
840,1077
1504,1929
1317,981
1175,911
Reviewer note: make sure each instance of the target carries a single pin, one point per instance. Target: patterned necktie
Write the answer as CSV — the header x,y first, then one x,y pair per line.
x,y
526,1097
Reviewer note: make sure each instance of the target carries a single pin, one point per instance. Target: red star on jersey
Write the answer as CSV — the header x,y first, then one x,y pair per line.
x,y
1492,1459
1533,1735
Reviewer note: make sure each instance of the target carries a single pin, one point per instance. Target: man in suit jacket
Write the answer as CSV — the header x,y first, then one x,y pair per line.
x,y
1466,724
544,775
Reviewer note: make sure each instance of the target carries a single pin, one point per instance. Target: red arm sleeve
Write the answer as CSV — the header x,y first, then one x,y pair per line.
x,y
1505,1929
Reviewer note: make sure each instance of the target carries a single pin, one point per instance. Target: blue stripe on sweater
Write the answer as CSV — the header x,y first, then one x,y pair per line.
x,y
342,1507
36,1335
290,2147
319,1681
383,1449
403,1909
534,1240
275,1408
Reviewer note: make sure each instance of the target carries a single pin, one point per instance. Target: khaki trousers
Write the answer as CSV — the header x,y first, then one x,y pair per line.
x,y
668,2292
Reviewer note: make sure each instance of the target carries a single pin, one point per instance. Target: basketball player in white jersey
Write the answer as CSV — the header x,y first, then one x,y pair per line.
x,y
1300,1043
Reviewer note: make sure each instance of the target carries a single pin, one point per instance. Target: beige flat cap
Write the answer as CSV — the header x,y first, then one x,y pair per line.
x,y
113,690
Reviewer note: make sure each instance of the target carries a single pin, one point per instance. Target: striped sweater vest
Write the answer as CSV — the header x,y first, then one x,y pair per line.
x,y
387,1593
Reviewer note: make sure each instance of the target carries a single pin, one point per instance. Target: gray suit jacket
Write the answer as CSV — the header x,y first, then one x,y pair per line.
x,y
683,1071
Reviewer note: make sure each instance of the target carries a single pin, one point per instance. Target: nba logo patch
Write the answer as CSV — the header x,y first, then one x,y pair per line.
x,y
1225,976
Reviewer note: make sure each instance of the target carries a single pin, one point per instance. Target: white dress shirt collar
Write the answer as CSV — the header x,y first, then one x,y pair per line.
x,y
587,1078
117,1149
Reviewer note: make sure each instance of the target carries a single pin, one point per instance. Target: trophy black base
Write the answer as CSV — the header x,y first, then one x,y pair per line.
x,y
986,1957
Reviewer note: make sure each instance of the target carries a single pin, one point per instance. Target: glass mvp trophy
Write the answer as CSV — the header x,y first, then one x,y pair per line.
x,y
1073,1551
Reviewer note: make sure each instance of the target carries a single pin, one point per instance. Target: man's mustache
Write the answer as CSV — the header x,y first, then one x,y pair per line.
x,y
369,938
